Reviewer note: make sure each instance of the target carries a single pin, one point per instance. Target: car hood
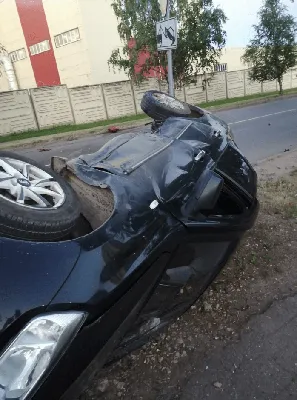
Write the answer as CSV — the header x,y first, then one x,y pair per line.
x,y
31,275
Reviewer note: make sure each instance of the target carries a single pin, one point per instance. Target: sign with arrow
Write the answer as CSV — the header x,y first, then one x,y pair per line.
x,y
167,34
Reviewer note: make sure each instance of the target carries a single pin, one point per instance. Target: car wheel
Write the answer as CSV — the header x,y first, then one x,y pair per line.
x,y
160,106
35,202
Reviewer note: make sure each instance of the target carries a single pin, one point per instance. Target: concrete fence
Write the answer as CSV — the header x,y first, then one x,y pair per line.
x,y
45,107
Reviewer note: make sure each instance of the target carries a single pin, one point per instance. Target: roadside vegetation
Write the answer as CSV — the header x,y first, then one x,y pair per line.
x,y
201,38
272,51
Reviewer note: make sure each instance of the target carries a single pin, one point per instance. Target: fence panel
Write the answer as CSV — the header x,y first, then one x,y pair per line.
x,y
87,104
119,99
287,81
216,88
179,93
52,106
235,83
251,87
195,94
269,86
16,112
140,89
294,77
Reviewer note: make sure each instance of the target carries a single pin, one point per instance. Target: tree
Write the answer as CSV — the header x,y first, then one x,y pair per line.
x,y
201,38
272,51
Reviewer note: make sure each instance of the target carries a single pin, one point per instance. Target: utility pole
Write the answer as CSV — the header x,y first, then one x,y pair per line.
x,y
169,59
165,6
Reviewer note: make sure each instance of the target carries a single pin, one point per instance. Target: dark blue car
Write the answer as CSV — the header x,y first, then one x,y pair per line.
x,y
94,256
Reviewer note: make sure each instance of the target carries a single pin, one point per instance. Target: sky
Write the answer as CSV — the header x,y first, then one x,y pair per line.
x,y
242,14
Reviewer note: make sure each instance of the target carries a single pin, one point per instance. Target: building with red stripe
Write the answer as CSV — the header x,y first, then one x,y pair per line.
x,y
54,42
59,41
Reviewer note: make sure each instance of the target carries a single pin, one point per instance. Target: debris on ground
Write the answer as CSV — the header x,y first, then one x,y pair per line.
x,y
103,385
113,129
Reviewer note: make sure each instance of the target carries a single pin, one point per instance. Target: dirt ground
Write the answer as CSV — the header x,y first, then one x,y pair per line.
x,y
262,270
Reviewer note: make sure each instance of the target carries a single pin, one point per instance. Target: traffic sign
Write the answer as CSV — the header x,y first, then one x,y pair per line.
x,y
167,34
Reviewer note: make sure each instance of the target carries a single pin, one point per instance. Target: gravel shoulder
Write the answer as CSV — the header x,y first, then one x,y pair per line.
x,y
203,354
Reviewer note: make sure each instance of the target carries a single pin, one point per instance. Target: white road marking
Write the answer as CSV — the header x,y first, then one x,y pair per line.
x,y
262,116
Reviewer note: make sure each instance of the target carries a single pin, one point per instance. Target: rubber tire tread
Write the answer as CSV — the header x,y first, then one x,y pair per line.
x,y
39,225
158,111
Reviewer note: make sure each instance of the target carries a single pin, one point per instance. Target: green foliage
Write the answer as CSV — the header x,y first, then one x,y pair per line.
x,y
272,51
201,37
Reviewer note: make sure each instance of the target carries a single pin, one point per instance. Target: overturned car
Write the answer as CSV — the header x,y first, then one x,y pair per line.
x,y
95,251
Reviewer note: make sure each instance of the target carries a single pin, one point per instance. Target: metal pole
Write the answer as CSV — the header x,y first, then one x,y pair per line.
x,y
170,73
169,58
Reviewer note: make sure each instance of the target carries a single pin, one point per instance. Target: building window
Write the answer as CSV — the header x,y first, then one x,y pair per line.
x,y
67,37
40,47
221,67
18,55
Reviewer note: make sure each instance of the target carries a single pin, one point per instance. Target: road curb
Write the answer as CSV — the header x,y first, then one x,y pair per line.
x,y
72,135
278,155
276,166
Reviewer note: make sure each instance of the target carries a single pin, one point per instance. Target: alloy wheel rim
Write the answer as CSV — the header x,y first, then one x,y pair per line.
x,y
26,185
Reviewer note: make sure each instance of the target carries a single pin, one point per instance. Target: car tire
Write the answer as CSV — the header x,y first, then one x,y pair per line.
x,y
35,203
160,106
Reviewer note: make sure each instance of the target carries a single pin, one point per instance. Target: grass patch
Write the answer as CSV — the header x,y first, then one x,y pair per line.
x,y
223,102
279,197
265,251
69,128
73,128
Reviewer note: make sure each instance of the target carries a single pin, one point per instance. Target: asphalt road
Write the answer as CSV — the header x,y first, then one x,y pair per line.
x,y
261,366
260,131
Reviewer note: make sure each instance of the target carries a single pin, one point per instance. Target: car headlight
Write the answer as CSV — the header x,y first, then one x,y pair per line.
x,y
31,353
230,134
